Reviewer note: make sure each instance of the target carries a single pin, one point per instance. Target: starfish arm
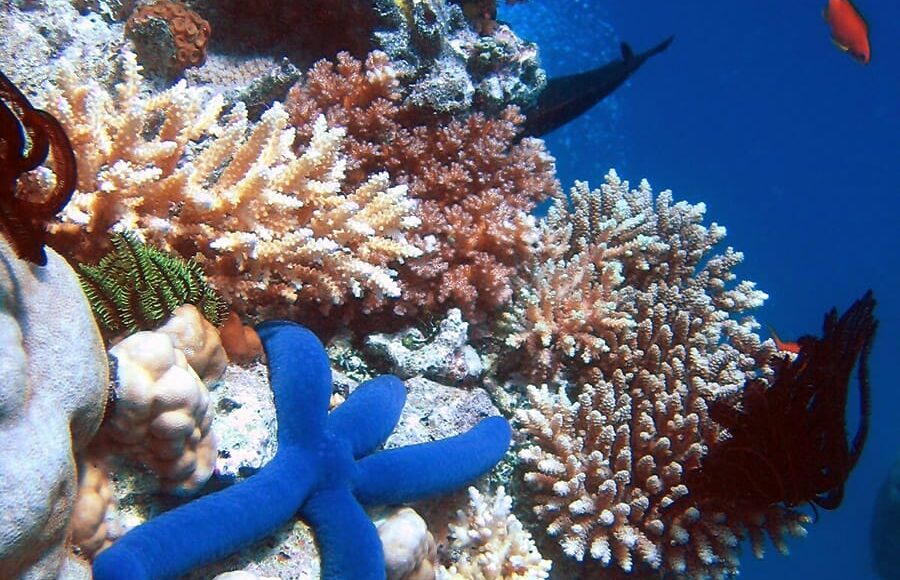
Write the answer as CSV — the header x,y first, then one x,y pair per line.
x,y
300,377
349,546
211,527
369,414
410,473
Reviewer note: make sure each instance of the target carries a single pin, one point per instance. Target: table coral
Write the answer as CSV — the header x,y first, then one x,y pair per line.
x,y
324,470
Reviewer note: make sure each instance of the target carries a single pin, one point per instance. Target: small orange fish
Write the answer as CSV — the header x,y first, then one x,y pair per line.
x,y
848,29
783,346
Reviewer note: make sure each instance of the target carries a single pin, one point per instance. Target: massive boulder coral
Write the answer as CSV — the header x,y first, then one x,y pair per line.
x,y
271,228
635,322
168,36
162,412
53,388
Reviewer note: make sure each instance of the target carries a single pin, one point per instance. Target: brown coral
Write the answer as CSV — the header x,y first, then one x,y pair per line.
x,y
475,184
172,25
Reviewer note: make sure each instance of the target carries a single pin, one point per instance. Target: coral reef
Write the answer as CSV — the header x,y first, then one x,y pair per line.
x,y
168,37
135,286
654,342
324,468
52,398
302,32
28,136
474,185
488,542
269,227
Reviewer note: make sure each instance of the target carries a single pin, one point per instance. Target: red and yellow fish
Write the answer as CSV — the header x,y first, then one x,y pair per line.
x,y
848,29
783,345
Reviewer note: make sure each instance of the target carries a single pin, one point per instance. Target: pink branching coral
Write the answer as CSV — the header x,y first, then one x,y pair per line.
x,y
474,185
636,365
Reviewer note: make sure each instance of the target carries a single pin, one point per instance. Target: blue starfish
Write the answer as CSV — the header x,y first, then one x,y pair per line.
x,y
324,470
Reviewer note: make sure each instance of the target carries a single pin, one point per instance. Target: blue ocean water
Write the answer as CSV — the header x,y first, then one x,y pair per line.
x,y
794,146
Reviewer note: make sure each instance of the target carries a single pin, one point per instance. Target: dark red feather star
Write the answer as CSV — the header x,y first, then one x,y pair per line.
x,y
788,440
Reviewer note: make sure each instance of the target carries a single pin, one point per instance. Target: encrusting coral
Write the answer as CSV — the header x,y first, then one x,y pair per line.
x,y
636,365
475,185
324,470
268,226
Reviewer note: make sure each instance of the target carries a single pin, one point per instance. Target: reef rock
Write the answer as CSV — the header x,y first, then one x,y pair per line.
x,y
53,385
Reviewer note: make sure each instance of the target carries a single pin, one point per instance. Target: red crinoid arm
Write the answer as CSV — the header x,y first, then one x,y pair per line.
x,y
27,136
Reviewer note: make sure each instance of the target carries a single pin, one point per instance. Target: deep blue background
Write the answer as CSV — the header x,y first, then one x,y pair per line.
x,y
794,147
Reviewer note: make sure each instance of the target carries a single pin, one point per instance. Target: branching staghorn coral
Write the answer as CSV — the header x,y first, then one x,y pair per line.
x,y
475,185
271,228
654,342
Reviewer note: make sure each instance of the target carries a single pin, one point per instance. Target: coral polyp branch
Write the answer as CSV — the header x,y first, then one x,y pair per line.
x,y
137,286
27,137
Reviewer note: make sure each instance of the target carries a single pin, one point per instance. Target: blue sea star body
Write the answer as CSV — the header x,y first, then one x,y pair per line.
x,y
324,471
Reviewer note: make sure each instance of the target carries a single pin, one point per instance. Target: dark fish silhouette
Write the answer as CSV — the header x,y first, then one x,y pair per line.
x,y
569,96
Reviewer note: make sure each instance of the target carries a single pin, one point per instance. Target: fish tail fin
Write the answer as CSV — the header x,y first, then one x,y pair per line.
x,y
661,46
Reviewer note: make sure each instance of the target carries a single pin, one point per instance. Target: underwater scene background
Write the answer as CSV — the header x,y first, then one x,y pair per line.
x,y
270,272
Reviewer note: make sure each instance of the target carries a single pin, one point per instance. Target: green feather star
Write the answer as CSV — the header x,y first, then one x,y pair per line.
x,y
136,286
